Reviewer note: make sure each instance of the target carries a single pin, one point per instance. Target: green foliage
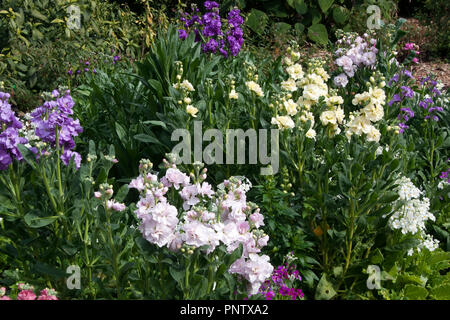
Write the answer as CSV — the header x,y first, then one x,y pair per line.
x,y
318,20
40,46
420,277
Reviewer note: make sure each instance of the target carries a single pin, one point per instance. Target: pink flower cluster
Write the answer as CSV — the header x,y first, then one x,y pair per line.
x,y
410,46
354,52
206,218
26,292
105,193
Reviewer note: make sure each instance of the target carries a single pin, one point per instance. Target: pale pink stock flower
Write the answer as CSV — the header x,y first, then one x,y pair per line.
x,y
116,206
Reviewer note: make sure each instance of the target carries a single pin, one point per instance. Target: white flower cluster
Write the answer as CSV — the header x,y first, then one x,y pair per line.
x,y
413,214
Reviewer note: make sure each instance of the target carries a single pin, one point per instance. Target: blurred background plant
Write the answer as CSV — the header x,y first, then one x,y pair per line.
x,y
38,45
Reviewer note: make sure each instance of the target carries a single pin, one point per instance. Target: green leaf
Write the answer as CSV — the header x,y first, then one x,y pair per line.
x,y
282,28
178,276
377,257
340,14
299,28
325,290
156,123
122,193
147,138
441,292
257,21
35,221
318,33
121,133
300,6
414,292
29,156
49,270
325,5
38,15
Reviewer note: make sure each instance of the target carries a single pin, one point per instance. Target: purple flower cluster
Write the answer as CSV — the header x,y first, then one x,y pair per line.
x,y
445,175
281,283
9,136
428,103
215,36
53,120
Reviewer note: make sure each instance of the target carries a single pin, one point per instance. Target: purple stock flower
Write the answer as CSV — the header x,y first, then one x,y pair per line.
x,y
210,46
53,119
216,36
68,155
407,73
403,127
209,5
395,79
407,92
395,98
70,72
182,34
9,135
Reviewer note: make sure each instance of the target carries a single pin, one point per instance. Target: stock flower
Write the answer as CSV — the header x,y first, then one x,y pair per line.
x,y
290,107
191,110
225,220
295,71
182,34
52,120
253,86
68,155
311,134
233,95
283,122
116,206
341,80
413,214
289,85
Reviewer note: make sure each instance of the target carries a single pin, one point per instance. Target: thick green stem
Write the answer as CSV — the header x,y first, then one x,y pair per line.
x,y
58,171
47,188
113,250
16,189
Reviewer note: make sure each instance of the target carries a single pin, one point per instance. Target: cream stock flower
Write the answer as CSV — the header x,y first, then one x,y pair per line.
x,y
328,117
313,92
191,110
283,122
322,73
311,134
291,107
289,85
295,71
373,112
233,95
253,86
373,134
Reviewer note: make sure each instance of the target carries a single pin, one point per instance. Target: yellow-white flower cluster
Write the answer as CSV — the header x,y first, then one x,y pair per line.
x,y
252,84
334,115
314,83
185,87
361,122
